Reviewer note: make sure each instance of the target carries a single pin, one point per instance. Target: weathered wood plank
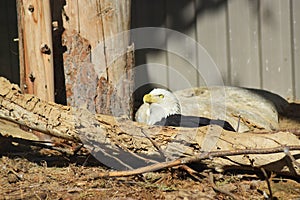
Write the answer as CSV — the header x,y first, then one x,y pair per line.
x,y
84,59
99,60
36,34
276,47
243,33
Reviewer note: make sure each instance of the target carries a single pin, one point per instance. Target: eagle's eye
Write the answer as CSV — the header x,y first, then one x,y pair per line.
x,y
161,96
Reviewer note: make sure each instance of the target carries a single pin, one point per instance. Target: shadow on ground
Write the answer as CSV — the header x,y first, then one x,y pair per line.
x,y
42,152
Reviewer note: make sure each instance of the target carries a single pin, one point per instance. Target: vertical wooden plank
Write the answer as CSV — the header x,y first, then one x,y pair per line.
x,y
89,16
276,47
244,43
98,59
85,18
212,35
19,6
181,17
36,30
150,62
82,50
296,45
119,77
70,15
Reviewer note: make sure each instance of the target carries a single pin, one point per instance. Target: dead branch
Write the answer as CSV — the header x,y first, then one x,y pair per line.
x,y
270,196
36,143
198,158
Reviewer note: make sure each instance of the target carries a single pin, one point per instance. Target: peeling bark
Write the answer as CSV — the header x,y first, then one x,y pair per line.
x,y
98,62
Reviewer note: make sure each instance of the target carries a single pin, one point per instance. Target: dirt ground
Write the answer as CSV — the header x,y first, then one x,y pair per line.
x,y
29,171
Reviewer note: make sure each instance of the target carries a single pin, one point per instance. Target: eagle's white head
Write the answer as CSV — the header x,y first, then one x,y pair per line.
x,y
158,104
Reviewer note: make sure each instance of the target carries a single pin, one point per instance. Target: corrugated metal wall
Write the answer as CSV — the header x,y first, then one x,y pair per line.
x,y
255,43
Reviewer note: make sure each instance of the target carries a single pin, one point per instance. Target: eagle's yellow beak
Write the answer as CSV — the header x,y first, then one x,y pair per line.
x,y
148,98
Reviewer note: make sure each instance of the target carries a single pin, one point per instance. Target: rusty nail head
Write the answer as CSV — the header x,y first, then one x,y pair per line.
x,y
45,49
31,77
30,8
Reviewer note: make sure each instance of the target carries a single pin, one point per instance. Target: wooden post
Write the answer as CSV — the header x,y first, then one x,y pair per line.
x,y
35,48
96,76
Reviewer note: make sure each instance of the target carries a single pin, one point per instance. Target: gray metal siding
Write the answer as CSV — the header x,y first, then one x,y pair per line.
x,y
255,43
295,24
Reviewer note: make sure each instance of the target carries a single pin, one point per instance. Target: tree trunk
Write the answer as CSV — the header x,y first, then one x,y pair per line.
x,y
98,59
123,144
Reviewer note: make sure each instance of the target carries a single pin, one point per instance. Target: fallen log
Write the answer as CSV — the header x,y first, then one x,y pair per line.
x,y
123,144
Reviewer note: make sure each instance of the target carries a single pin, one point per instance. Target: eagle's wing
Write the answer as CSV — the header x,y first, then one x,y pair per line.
x,y
192,122
143,113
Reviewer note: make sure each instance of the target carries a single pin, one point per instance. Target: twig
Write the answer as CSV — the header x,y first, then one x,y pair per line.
x,y
197,158
211,180
37,143
270,196
154,143
141,170
288,153
238,125
190,171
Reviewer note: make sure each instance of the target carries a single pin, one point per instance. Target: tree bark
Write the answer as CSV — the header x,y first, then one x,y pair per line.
x,y
99,59
123,144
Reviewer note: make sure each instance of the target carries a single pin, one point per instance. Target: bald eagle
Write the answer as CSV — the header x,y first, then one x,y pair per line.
x,y
161,107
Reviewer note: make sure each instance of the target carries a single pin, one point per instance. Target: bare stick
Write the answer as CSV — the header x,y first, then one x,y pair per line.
x,y
211,180
288,153
270,196
199,157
